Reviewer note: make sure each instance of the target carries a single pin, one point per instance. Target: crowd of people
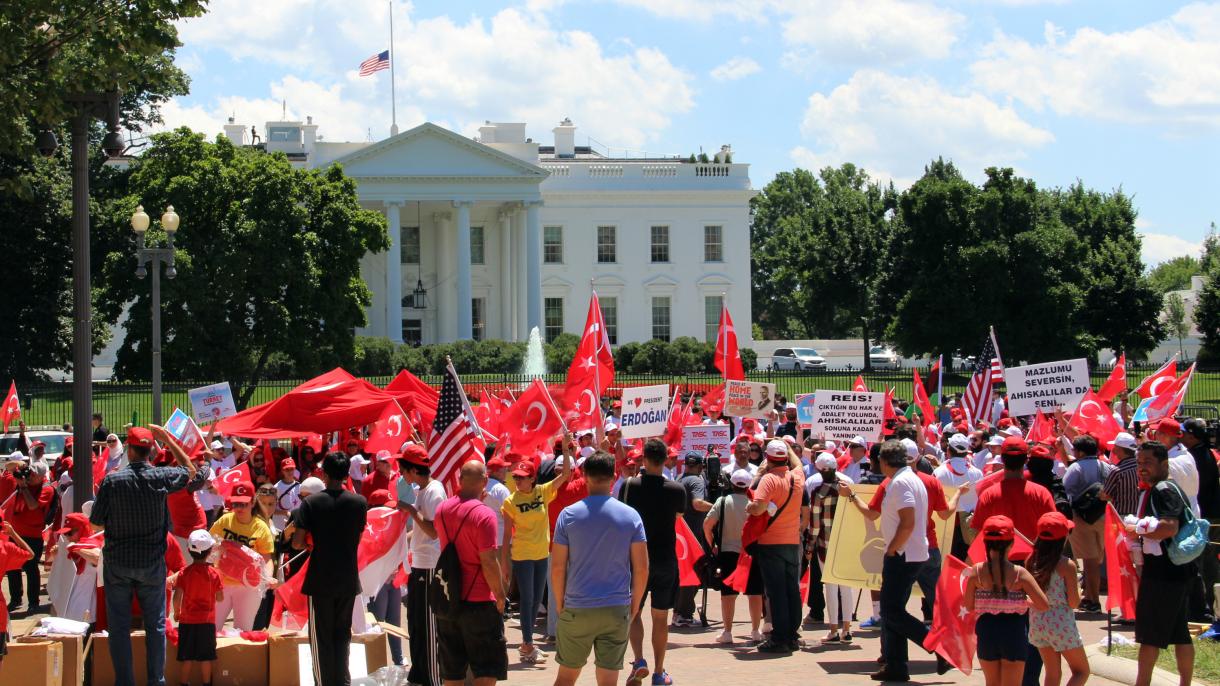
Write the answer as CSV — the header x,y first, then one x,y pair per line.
x,y
589,530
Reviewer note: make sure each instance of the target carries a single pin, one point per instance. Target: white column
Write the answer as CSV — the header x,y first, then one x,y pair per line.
x,y
393,273
518,222
465,325
444,278
533,263
507,323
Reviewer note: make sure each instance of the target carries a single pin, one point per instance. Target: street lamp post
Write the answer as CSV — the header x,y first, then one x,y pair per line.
x,y
155,257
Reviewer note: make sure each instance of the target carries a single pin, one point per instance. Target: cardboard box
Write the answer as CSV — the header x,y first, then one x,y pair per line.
x,y
238,662
287,653
376,650
38,663
74,648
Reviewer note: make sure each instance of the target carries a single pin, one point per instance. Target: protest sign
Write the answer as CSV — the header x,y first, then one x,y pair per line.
x,y
182,427
645,411
703,436
1046,386
210,403
856,548
748,399
804,409
843,415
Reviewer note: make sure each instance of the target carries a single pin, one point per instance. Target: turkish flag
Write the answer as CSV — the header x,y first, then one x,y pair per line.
x,y
1094,418
240,563
12,406
226,480
100,460
713,400
1117,383
390,431
488,412
952,632
887,411
416,397
1154,383
728,357
1120,568
291,608
591,372
679,417
1042,430
533,420
859,386
689,551
382,547
741,574
1166,403
921,400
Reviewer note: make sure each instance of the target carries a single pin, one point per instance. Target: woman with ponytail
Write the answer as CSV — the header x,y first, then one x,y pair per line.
x,y
1053,631
1001,593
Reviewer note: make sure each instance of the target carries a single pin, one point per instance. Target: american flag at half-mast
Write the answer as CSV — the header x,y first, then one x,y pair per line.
x,y
454,431
375,63
977,396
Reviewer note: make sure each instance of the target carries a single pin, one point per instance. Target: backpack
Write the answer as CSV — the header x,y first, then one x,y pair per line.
x,y
445,588
1088,505
1191,539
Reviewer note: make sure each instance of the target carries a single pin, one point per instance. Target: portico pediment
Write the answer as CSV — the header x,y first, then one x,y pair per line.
x,y
429,151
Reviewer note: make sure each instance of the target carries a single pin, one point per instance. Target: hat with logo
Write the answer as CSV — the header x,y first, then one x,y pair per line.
x,y
138,435
525,469
200,541
693,457
777,451
288,464
243,492
998,528
1053,526
381,498
741,478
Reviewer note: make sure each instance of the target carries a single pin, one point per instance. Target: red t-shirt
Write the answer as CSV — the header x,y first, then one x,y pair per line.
x,y
28,521
12,556
573,490
375,482
1020,500
936,502
199,584
185,514
477,534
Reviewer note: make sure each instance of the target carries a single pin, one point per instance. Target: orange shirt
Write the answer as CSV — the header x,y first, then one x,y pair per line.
x,y
776,487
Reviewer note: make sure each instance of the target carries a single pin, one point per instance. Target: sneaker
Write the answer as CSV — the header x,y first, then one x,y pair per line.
x,y
662,679
726,636
847,637
871,623
683,622
530,655
639,670
756,636
773,647
887,674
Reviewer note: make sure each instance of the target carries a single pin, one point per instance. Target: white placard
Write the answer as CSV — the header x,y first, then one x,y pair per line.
x,y
210,403
700,438
748,399
1044,386
843,415
645,411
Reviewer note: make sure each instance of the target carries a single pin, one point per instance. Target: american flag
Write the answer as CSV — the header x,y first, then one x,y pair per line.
x,y
977,398
375,63
455,430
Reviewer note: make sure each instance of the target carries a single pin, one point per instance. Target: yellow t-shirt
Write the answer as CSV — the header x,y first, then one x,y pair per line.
x,y
256,535
527,513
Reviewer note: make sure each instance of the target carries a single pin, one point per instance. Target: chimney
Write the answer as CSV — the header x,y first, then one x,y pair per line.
x,y
236,133
565,139
725,154
309,135
487,132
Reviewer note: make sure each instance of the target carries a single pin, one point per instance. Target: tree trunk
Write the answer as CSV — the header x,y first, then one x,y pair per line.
x,y
247,389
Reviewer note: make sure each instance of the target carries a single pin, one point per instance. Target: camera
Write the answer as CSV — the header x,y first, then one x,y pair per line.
x,y
22,473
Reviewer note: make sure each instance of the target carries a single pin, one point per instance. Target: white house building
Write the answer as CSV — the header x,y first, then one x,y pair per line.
x,y
504,234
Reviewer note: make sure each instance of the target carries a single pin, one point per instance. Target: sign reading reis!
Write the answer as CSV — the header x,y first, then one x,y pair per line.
x,y
645,411
1044,386
843,415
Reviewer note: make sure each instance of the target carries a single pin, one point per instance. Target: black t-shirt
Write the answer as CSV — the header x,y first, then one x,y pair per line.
x,y
658,501
1165,501
787,429
100,434
547,471
695,486
335,518
1209,481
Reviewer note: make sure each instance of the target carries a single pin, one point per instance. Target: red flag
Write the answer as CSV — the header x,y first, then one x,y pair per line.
x,y
673,425
1120,568
390,431
226,480
1166,402
952,632
240,563
804,584
888,410
1117,383
533,420
1094,418
291,608
417,398
689,551
934,373
741,574
1042,430
593,355
12,406
728,357
100,460
713,400
488,412
1155,382
860,386
921,399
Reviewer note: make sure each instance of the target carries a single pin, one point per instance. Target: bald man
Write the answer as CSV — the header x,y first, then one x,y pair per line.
x,y
473,637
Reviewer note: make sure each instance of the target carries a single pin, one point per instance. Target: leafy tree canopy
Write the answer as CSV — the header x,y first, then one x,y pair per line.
x,y
1174,275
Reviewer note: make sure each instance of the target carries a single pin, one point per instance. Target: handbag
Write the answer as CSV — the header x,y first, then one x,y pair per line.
x,y
1191,539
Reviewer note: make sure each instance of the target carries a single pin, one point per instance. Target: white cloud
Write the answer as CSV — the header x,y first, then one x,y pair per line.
x,y
1165,73
735,68
893,126
1158,247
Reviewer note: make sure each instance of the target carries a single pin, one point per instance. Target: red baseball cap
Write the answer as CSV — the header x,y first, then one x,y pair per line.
x,y
1168,426
525,469
1053,526
243,492
139,436
997,528
38,444
288,464
75,522
1014,445
381,498
416,455
1040,452
497,462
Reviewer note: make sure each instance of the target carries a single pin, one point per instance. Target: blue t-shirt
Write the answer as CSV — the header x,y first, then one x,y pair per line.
x,y
598,532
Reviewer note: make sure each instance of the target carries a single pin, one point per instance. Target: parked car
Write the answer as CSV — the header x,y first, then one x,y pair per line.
x,y
881,357
11,441
797,359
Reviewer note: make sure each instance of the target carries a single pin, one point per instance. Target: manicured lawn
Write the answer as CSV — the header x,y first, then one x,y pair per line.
x,y
1207,660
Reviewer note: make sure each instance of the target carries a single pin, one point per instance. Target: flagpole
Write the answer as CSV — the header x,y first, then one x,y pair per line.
x,y
940,379
393,97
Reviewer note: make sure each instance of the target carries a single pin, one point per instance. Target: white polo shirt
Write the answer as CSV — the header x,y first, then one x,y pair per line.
x,y
905,490
955,472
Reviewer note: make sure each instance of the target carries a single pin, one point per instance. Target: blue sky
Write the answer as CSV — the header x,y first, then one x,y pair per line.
x,y
1117,93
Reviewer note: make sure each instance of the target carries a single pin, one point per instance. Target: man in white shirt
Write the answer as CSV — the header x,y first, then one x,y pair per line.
x,y
990,455
955,472
425,551
495,493
857,450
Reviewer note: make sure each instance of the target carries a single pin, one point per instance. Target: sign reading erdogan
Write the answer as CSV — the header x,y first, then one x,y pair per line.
x,y
645,411
1046,386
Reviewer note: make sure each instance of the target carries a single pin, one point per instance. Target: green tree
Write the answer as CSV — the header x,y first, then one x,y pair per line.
x,y
1175,319
1207,315
1174,275
268,261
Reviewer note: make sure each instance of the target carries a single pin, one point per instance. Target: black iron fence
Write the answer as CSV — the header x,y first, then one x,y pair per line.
x,y
50,404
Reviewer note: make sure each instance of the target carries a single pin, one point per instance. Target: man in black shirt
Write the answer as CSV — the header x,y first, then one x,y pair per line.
x,y
695,485
789,427
99,430
336,518
1195,438
659,503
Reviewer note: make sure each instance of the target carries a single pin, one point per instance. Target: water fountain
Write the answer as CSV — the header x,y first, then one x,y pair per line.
x,y
535,359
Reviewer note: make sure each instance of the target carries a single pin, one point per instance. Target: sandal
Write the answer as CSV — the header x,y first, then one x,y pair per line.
x,y
847,637
831,639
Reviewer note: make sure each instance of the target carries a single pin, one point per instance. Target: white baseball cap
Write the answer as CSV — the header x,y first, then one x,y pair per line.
x,y
858,440
1124,440
200,541
959,442
611,426
217,445
741,478
825,461
1014,431
995,440
312,485
911,447
385,455
777,449
830,446
587,451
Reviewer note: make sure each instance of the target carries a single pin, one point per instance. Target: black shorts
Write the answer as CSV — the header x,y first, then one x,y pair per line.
x,y
473,638
727,562
662,586
1002,636
1160,612
196,642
